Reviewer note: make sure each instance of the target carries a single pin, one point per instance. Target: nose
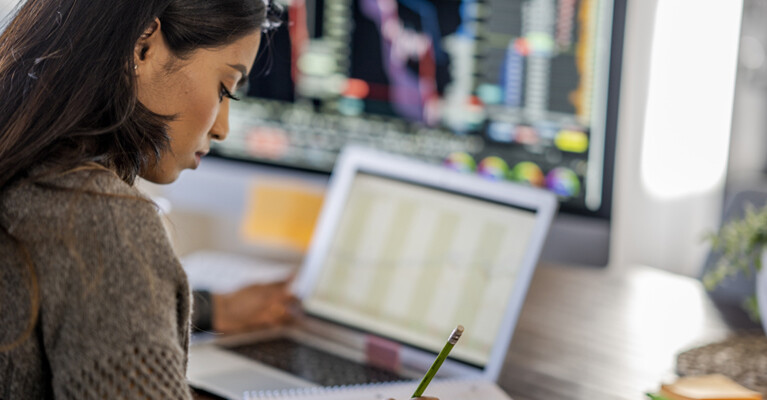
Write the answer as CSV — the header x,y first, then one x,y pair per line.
x,y
220,129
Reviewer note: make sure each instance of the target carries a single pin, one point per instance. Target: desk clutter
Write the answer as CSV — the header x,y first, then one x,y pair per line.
x,y
705,387
743,358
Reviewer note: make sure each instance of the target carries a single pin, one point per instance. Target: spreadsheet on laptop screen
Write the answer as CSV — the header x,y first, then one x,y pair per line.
x,y
410,262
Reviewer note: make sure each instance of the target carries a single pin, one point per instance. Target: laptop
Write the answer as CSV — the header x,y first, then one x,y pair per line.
x,y
403,252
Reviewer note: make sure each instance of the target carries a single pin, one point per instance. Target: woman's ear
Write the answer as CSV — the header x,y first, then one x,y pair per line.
x,y
148,47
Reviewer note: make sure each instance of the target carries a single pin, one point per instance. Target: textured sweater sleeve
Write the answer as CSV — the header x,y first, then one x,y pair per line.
x,y
114,314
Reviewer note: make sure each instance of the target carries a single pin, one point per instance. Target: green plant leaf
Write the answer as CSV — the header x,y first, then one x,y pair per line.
x,y
740,244
751,305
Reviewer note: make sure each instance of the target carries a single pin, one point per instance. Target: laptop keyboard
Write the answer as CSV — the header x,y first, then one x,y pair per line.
x,y
312,364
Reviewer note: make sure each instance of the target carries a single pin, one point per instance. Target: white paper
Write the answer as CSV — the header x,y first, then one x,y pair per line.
x,y
444,390
222,272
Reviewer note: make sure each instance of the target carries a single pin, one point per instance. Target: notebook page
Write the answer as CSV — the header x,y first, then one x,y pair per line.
x,y
444,390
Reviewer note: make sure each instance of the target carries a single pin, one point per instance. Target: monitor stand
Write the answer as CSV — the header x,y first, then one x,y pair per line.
x,y
578,240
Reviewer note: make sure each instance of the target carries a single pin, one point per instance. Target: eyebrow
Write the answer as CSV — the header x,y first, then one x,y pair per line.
x,y
243,71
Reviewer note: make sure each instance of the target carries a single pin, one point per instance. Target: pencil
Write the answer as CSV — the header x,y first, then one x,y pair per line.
x,y
451,341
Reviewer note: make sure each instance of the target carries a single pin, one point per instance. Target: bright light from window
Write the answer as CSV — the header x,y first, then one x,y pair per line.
x,y
689,104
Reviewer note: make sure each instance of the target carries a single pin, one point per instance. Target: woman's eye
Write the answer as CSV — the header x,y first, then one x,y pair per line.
x,y
226,93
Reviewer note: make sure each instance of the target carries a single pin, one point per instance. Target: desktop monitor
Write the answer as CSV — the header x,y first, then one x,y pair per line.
x,y
518,90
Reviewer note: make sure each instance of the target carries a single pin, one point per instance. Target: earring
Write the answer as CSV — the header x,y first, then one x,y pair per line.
x,y
135,69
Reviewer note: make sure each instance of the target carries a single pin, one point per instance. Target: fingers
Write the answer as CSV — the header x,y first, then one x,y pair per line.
x,y
253,307
278,313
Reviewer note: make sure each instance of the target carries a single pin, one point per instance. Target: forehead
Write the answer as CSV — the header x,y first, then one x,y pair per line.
x,y
240,52
243,50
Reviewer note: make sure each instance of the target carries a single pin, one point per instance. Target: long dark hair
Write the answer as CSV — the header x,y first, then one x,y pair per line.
x,y
68,92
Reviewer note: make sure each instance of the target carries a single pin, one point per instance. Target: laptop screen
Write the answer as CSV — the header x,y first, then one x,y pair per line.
x,y
410,262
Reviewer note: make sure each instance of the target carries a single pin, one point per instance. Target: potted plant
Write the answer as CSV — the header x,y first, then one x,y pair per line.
x,y
741,244
740,251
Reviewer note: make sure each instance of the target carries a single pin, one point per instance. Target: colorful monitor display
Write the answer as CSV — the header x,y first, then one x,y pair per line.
x,y
520,90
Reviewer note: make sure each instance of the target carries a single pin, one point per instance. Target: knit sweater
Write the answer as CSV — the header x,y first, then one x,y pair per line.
x,y
114,308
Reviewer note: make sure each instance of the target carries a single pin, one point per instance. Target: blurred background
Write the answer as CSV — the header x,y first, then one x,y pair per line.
x,y
747,162
679,128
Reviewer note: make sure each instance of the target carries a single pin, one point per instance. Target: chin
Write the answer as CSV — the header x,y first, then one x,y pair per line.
x,y
161,177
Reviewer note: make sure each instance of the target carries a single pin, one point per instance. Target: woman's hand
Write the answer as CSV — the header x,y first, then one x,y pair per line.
x,y
252,307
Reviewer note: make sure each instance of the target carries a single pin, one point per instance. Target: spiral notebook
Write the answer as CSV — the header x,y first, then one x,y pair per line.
x,y
445,390
402,253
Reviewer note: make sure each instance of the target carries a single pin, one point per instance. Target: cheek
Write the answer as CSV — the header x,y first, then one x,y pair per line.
x,y
203,109
192,96
195,119
207,109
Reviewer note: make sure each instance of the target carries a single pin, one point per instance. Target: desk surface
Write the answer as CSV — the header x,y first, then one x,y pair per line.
x,y
596,334
599,334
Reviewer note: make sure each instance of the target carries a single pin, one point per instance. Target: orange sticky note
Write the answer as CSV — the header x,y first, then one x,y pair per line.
x,y
282,214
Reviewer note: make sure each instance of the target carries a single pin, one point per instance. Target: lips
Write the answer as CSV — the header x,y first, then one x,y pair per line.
x,y
198,157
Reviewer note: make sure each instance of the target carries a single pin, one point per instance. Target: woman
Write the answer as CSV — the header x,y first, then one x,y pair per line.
x,y
95,94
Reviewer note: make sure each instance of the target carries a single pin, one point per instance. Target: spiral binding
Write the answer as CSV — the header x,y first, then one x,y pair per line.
x,y
314,390
344,389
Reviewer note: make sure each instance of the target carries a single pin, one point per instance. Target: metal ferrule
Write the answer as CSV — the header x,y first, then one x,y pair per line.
x,y
457,332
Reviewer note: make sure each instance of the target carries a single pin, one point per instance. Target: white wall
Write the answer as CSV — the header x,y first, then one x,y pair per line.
x,y
5,8
674,129
748,165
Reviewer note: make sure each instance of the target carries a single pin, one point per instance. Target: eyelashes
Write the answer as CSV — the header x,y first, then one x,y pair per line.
x,y
224,92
